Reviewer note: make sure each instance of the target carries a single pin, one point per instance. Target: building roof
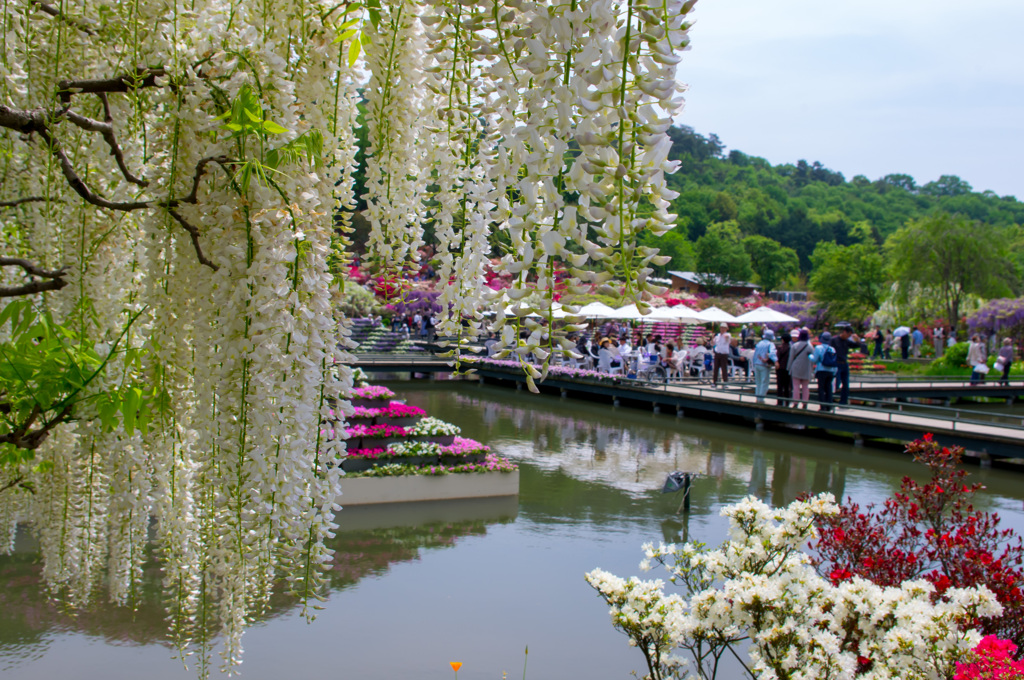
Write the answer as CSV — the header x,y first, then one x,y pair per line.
x,y
693,277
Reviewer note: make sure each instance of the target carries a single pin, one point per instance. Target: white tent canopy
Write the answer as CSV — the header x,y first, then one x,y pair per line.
x,y
597,310
715,315
765,315
679,314
628,312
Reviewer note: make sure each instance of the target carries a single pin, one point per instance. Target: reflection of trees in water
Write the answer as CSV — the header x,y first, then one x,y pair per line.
x,y
28,616
626,453
367,552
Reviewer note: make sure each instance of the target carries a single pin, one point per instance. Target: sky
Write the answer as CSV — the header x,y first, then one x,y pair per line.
x,y
867,87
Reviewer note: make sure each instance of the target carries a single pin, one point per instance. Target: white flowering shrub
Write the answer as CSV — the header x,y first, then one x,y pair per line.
x,y
758,594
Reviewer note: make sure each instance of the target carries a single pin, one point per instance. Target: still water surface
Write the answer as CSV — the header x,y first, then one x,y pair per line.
x,y
415,587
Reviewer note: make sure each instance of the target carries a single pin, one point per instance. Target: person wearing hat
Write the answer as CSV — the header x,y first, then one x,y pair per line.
x,y
824,360
765,358
800,367
723,348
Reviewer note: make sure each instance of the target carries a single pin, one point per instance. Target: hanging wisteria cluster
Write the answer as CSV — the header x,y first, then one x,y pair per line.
x,y
174,177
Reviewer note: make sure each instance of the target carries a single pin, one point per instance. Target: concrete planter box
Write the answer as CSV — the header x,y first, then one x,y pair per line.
x,y
461,460
371,403
369,490
360,464
405,421
440,439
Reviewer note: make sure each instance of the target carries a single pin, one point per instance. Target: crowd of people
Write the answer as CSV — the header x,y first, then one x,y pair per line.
x,y
797,359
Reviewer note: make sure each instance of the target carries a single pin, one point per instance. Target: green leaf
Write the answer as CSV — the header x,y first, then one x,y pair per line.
x,y
273,128
354,49
130,408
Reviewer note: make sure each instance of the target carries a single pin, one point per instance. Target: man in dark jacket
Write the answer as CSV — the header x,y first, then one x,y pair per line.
x,y
842,345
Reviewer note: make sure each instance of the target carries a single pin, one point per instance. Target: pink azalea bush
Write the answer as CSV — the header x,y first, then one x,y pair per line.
x,y
363,412
492,463
372,392
382,431
992,659
397,409
464,447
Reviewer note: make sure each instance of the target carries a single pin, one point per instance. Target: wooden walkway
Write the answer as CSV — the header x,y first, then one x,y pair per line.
x,y
983,439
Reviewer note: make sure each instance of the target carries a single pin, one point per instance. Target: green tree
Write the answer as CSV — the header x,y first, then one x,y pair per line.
x,y
954,256
771,261
721,259
850,280
675,245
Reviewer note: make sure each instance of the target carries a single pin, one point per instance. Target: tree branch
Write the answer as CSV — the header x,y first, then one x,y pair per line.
x,y
70,21
193,196
17,481
25,438
106,129
55,279
19,201
79,185
194,233
39,120
143,77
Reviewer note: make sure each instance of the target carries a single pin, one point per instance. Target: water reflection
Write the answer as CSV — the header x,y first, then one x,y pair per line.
x,y
475,581
634,452
370,542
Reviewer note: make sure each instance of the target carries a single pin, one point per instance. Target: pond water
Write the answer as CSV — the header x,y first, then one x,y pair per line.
x,y
415,587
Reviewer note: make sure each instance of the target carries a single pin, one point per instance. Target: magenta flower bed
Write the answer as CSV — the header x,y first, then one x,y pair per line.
x,y
372,392
464,447
375,431
397,409
491,463
372,454
362,412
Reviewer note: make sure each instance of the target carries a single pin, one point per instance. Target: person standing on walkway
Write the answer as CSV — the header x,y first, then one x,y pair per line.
x,y
905,346
841,344
937,340
800,367
879,344
1006,359
723,348
977,356
783,380
825,363
918,338
765,358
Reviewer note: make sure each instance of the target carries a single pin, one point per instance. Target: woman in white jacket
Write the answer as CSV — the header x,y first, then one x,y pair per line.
x,y
976,354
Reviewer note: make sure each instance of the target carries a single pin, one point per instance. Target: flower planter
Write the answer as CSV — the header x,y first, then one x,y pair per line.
x,y
376,442
371,403
361,464
358,464
462,460
442,439
367,490
418,461
406,421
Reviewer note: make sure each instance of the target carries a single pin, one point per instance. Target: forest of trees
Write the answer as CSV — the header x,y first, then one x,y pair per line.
x,y
854,244
804,204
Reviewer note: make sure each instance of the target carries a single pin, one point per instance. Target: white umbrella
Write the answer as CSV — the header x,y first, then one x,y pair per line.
x,y
715,315
679,314
629,312
597,310
765,315
901,331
